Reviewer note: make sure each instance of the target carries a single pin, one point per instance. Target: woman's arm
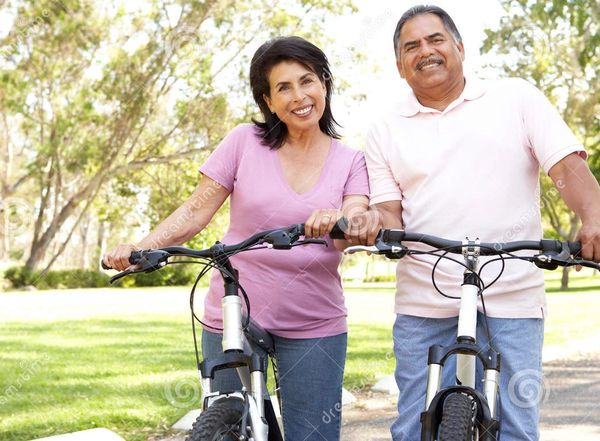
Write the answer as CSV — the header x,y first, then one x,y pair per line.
x,y
181,225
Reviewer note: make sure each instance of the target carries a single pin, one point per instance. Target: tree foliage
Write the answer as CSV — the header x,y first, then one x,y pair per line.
x,y
115,99
556,45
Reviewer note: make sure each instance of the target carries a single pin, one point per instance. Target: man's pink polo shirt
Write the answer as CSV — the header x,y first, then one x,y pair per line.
x,y
469,171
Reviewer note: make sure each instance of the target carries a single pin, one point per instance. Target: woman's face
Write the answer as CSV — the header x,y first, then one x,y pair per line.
x,y
297,95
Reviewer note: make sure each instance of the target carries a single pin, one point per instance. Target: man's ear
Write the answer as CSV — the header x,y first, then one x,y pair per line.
x,y
461,49
400,67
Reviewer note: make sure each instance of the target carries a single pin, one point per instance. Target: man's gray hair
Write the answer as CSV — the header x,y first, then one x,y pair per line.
x,y
425,9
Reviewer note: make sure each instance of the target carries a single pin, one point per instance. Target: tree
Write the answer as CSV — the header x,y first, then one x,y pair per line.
x,y
104,92
556,46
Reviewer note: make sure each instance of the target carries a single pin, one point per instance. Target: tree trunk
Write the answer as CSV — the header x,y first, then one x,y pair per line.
x,y
84,229
40,245
95,264
564,281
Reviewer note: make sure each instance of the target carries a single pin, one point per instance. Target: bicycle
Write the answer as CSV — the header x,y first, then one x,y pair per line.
x,y
245,414
462,412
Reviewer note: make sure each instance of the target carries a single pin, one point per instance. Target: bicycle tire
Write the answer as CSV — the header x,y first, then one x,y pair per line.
x,y
220,422
458,419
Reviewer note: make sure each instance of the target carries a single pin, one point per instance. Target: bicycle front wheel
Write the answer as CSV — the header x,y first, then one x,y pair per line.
x,y
458,419
220,422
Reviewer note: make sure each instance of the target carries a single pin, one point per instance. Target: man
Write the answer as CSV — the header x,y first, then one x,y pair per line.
x,y
458,157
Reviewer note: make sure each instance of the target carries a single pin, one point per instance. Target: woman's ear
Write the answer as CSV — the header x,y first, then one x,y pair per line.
x,y
268,101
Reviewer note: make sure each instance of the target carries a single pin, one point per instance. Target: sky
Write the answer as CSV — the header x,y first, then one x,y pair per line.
x,y
371,31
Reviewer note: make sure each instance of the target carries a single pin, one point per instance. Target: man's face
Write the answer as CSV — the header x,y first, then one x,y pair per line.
x,y
429,56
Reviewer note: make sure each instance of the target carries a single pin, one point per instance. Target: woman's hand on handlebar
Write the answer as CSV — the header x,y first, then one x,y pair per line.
x,y
321,222
118,258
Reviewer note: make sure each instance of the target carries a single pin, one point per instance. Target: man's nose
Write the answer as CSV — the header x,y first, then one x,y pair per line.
x,y
425,49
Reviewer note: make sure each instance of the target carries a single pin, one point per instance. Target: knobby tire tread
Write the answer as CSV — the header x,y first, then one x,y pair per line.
x,y
457,419
216,419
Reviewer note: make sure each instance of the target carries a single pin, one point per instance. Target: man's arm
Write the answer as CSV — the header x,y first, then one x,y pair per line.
x,y
580,191
363,229
391,214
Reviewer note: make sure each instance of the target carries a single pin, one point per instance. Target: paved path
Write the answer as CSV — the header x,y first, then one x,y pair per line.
x,y
570,409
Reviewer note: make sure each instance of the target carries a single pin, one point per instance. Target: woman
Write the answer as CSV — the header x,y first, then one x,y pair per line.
x,y
288,169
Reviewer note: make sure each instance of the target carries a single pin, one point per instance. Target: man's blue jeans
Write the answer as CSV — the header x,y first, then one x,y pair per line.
x,y
521,384
311,372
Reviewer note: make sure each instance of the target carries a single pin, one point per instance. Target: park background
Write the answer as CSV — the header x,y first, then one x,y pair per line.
x,y
107,108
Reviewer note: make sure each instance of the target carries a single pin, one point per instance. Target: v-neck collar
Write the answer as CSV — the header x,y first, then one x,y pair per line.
x,y
315,187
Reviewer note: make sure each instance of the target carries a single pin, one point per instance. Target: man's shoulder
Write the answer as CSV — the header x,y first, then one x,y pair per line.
x,y
389,113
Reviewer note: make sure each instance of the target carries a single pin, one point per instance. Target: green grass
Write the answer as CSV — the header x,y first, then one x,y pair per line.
x,y
136,375
75,375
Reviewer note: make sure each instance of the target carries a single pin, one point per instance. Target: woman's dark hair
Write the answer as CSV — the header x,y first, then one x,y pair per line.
x,y
426,9
272,130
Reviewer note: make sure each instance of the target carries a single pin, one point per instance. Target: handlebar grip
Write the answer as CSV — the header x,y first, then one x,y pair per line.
x,y
104,265
575,248
341,226
135,257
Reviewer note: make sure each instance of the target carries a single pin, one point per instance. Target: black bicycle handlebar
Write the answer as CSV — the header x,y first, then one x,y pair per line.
x,y
281,238
486,248
554,253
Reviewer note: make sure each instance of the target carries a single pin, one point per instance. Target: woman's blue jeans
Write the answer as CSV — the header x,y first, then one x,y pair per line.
x,y
311,372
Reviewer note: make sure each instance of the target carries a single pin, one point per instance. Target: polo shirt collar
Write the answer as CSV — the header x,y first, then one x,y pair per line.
x,y
410,106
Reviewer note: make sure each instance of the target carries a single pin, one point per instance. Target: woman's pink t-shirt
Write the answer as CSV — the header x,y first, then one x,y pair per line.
x,y
293,293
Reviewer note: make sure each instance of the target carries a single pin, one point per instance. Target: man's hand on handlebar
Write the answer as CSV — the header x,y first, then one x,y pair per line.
x,y
589,236
364,227
118,258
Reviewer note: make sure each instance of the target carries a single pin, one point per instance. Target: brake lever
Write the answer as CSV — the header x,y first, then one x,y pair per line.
x,y
287,246
121,275
146,262
585,263
358,248
551,261
309,241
